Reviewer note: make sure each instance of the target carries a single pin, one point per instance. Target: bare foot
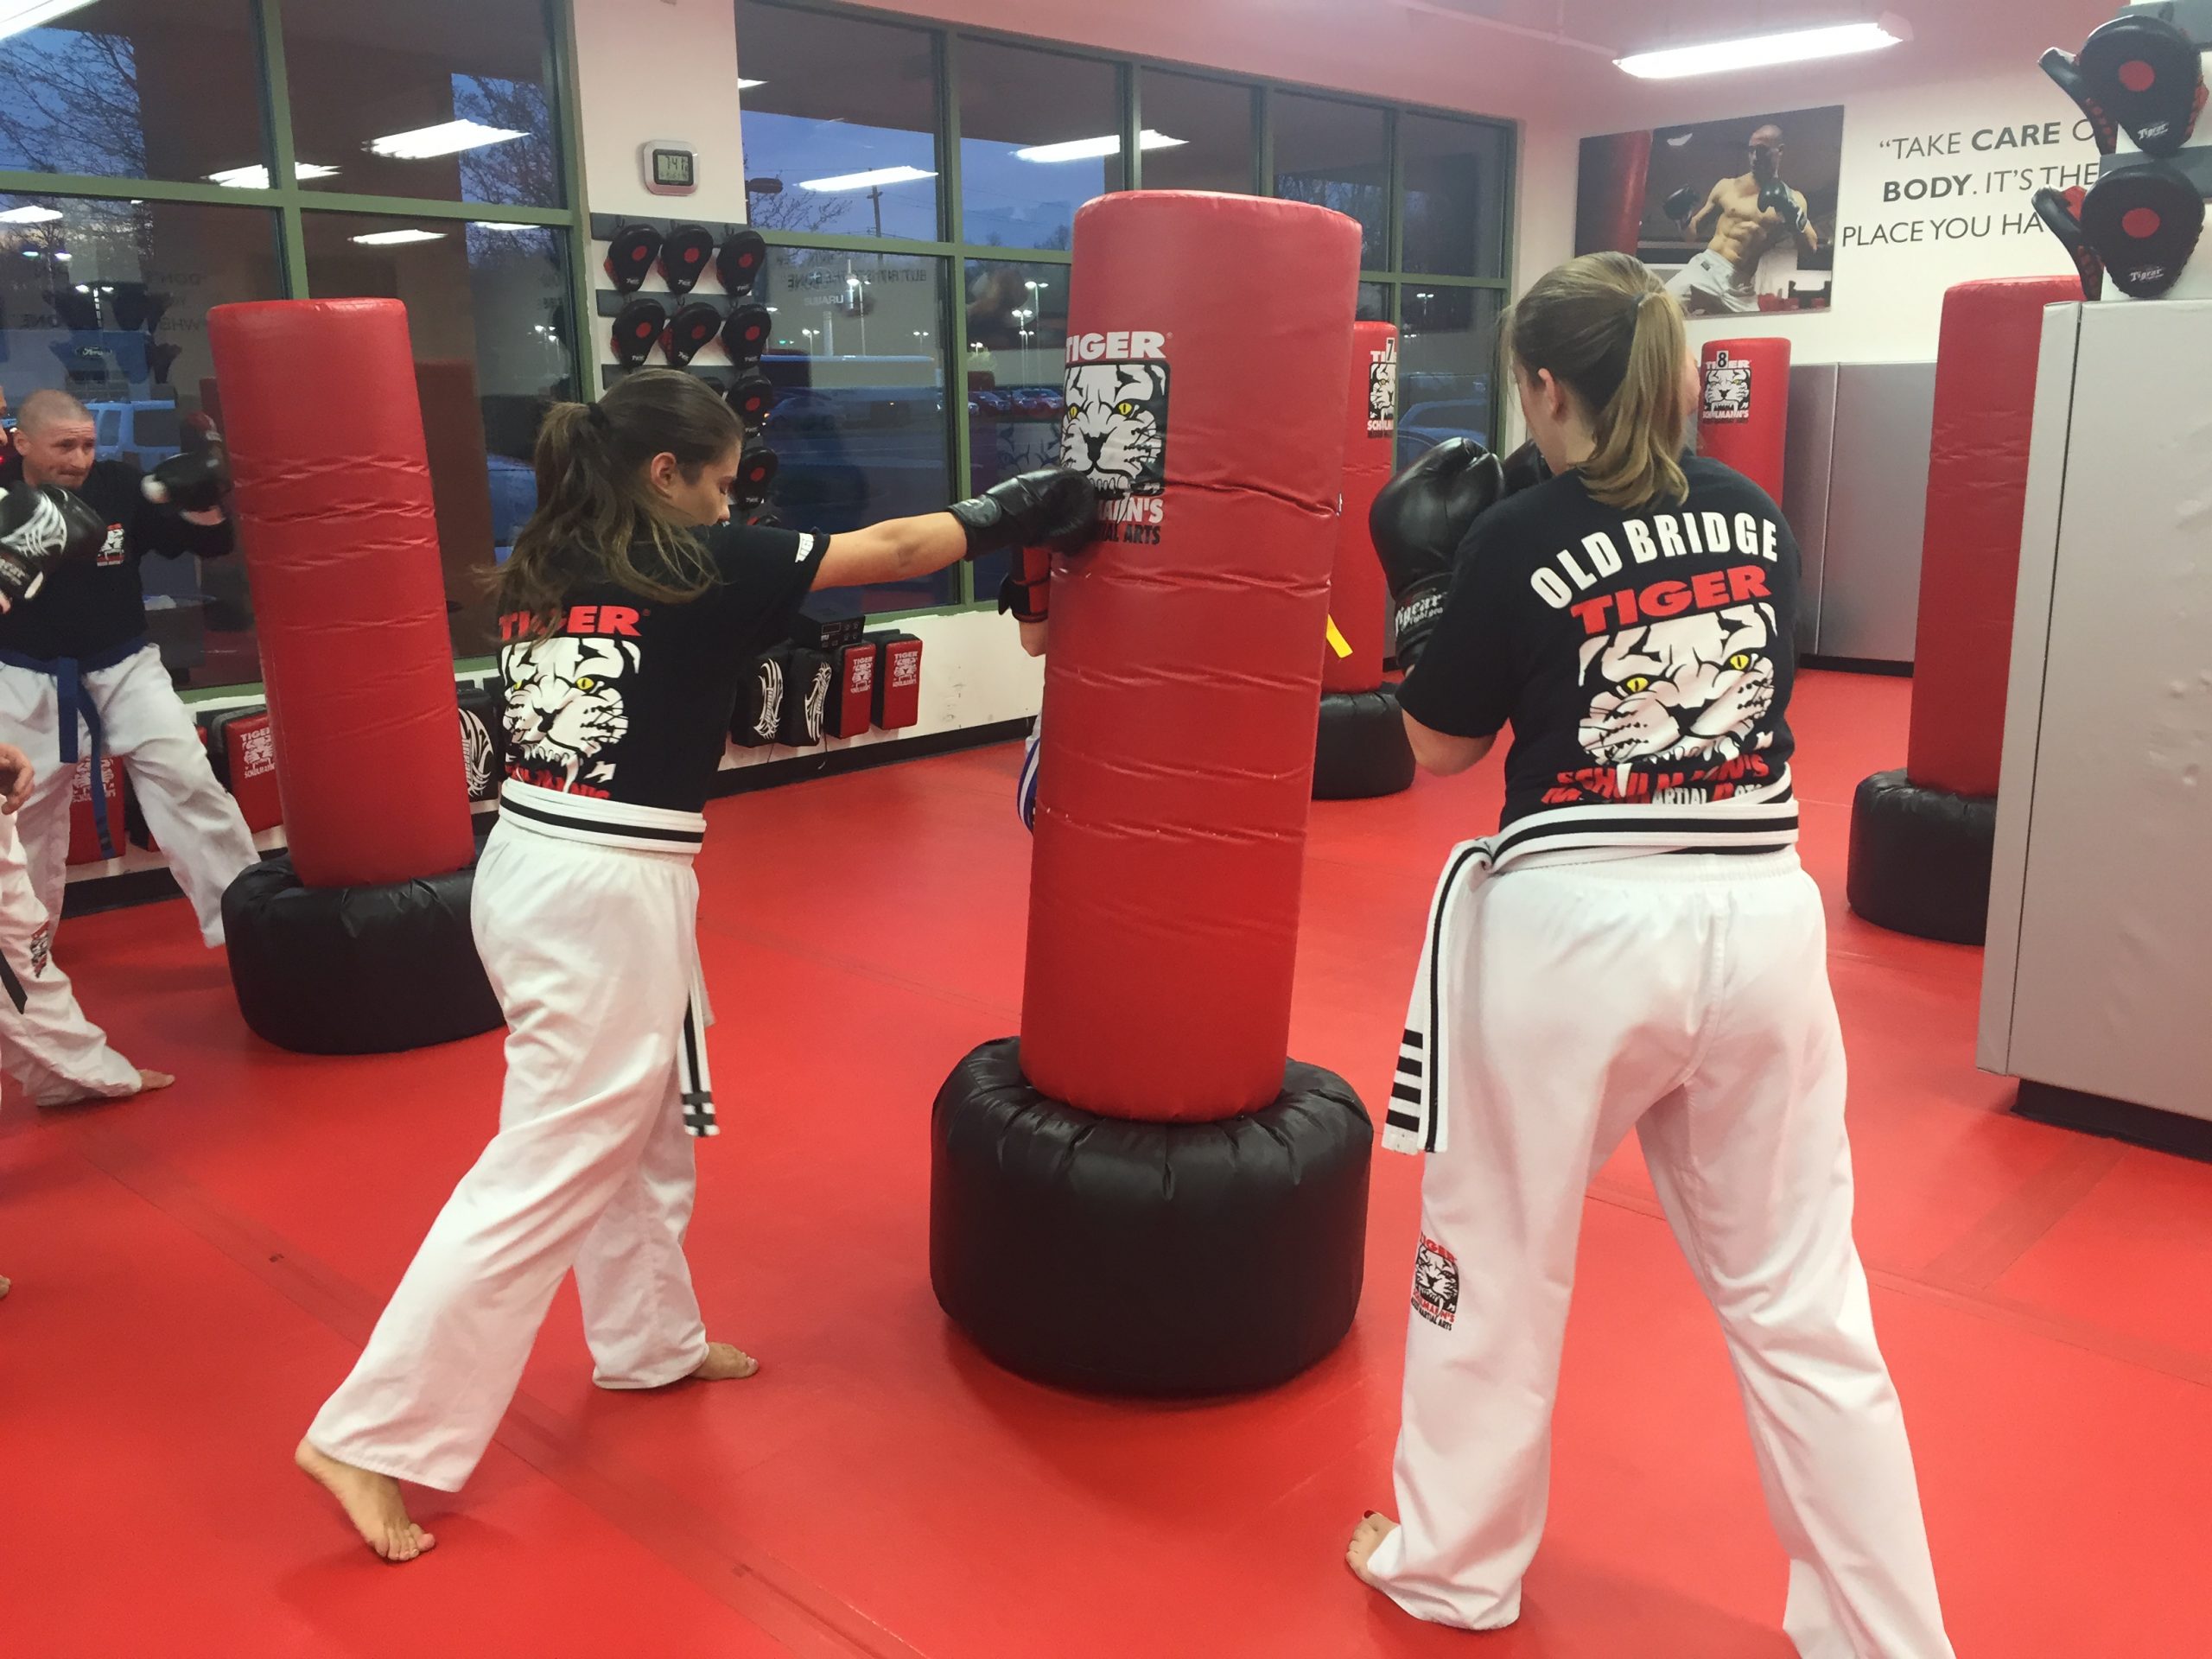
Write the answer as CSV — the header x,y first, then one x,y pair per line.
x,y
147,1082
372,1502
4,1289
1371,1532
724,1364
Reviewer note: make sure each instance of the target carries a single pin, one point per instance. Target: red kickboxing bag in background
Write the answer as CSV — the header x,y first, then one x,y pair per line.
x,y
1183,681
338,520
1970,555
1359,600
1615,173
1744,408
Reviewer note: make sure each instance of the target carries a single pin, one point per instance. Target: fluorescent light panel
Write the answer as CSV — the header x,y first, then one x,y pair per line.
x,y
446,138
397,239
882,175
1078,150
16,15
31,215
744,86
255,177
1760,51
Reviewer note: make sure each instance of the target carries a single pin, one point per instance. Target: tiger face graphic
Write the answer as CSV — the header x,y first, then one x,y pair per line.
x,y
1691,688
564,702
1115,426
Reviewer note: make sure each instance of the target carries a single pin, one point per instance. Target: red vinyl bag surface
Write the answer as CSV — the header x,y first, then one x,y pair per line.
x,y
1358,599
339,527
1970,558
1744,408
1183,687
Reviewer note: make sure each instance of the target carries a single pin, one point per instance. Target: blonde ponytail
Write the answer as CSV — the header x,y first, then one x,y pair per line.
x,y
1607,329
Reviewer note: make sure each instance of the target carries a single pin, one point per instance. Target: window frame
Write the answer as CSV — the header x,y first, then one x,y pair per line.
x,y
1130,70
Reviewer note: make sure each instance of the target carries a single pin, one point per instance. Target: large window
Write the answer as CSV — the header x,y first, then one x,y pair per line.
x,y
920,188
148,172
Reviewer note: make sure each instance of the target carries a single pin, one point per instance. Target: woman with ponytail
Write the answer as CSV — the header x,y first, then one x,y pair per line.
x,y
628,610
1636,948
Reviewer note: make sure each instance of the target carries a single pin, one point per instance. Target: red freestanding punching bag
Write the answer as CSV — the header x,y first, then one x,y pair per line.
x,y
341,531
1182,679
1744,409
1361,749
1143,1193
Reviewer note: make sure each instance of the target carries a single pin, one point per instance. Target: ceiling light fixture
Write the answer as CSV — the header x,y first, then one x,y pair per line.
x,y
397,239
446,138
1761,50
1078,150
882,175
745,86
16,15
257,176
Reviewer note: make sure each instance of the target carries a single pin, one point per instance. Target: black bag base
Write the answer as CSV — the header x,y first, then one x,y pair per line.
x,y
1163,1259
1920,859
1361,751
355,971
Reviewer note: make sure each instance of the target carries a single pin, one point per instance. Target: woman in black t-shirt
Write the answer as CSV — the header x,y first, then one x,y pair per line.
x,y
1637,947
629,608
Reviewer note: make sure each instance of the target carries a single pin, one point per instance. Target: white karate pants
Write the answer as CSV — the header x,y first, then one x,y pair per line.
x,y
194,820
47,1046
590,949
1687,997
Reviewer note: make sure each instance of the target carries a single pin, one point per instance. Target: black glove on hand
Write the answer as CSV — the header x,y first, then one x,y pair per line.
x,y
1777,196
42,526
1525,469
1418,523
1050,507
193,483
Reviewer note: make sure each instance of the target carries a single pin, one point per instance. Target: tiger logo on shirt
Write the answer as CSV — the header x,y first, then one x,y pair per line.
x,y
1689,689
564,702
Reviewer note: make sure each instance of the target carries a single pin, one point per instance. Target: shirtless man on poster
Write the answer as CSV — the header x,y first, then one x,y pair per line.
x,y
1746,217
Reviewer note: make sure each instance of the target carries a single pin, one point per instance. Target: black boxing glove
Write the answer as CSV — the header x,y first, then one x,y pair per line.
x,y
1775,197
1051,507
42,526
1682,207
1418,523
1525,469
193,483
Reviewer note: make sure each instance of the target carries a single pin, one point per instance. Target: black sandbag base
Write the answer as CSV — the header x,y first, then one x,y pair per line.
x,y
1360,750
355,971
1920,859
1127,1257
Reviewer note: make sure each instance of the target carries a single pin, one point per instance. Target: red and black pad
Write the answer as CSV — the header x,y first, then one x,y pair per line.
x,y
2144,223
898,698
852,690
738,260
1027,589
744,335
2066,69
2150,75
752,397
688,331
2061,211
684,257
756,473
1119,1150
242,750
638,329
631,252
806,697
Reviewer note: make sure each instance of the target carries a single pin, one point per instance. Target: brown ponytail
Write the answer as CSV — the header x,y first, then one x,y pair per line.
x,y
599,518
1609,332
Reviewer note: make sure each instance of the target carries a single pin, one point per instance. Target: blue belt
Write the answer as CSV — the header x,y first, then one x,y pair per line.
x,y
67,674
